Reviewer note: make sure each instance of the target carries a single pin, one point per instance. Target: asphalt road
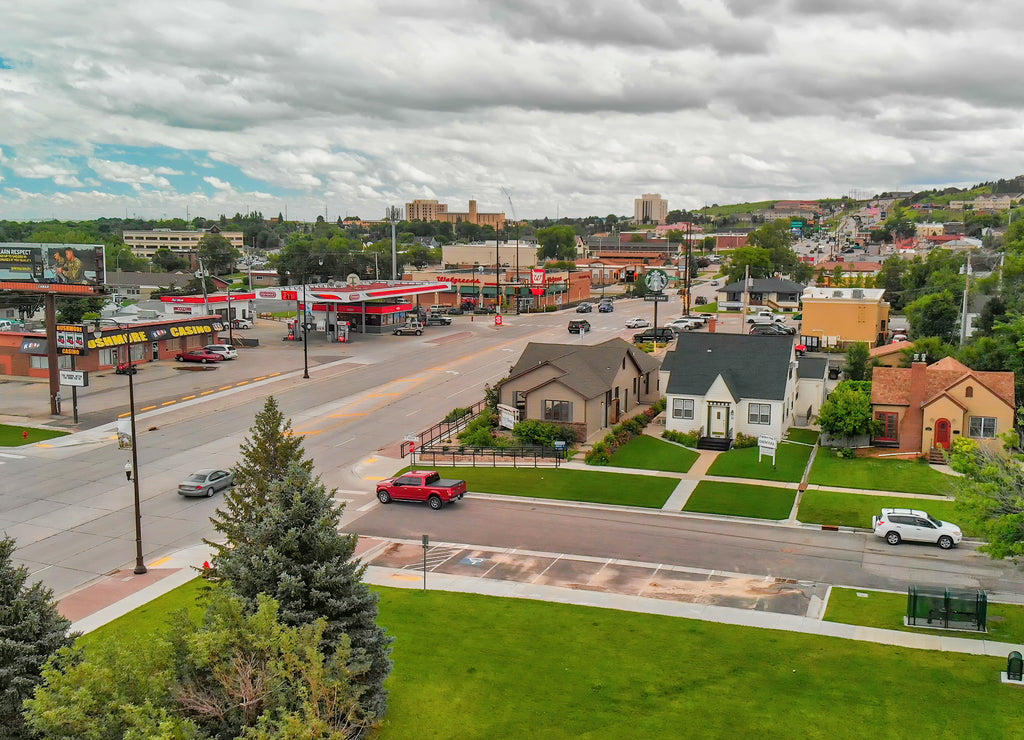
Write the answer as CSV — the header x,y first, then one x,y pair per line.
x,y
836,558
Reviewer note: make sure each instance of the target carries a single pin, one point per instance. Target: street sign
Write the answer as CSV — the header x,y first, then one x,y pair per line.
x,y
412,438
497,320
76,378
767,441
656,298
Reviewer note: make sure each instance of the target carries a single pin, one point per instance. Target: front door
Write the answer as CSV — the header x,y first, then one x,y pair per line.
x,y
942,434
718,420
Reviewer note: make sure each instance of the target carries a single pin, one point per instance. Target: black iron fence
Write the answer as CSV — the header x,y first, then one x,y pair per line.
x,y
516,457
443,430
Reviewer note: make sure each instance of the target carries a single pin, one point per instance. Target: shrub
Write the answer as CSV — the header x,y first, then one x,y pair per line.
x,y
689,439
533,432
658,406
455,414
550,309
599,455
744,440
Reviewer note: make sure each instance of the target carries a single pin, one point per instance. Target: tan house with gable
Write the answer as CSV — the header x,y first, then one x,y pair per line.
x,y
839,317
586,387
923,408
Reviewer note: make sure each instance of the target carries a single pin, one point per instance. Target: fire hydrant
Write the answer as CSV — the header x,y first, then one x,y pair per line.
x,y
24,434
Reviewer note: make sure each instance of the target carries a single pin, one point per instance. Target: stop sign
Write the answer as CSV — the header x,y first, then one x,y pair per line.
x,y
497,320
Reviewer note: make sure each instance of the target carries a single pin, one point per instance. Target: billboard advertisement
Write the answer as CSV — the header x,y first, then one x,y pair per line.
x,y
58,268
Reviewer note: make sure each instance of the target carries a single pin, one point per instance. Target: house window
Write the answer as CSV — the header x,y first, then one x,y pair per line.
x,y
982,427
557,411
519,399
890,426
759,413
682,408
969,392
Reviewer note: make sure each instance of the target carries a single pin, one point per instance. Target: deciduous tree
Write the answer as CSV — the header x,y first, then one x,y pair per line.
x,y
847,411
990,496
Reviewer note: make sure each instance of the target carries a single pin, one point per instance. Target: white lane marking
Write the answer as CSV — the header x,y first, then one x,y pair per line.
x,y
367,507
13,457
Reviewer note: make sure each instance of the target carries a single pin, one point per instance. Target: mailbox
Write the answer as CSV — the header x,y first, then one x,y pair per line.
x,y
1014,667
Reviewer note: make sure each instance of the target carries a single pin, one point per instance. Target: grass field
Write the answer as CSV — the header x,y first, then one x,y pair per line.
x,y
648,453
519,668
13,436
886,610
906,476
738,499
597,487
790,462
806,436
856,509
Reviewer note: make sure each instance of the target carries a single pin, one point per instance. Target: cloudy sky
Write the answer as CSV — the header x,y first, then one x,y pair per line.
x,y
575,107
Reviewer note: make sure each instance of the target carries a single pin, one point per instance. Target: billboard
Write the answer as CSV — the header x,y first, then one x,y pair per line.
x,y
56,268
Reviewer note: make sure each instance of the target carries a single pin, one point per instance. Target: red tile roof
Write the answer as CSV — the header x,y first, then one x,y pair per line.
x,y
888,349
890,386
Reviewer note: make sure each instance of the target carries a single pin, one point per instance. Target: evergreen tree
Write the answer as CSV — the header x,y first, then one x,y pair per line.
x,y
265,455
31,630
281,526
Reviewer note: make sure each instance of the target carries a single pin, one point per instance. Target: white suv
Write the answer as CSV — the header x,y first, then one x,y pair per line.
x,y
896,525
226,350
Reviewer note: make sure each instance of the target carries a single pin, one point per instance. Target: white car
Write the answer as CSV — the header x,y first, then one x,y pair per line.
x,y
241,324
227,351
637,323
896,525
685,323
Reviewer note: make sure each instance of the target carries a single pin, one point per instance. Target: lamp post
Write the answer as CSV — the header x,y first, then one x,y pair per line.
x,y
133,472
231,336
305,333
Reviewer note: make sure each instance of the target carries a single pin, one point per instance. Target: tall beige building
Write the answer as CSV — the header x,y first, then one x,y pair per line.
x,y
145,243
431,210
650,208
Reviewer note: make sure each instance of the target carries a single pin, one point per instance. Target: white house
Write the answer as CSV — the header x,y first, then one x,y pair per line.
x,y
721,384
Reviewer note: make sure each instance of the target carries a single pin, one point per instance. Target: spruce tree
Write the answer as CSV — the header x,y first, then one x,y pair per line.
x,y
31,630
265,456
286,544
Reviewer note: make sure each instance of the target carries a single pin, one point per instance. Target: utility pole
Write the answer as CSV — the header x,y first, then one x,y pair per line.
x,y
394,215
513,209
963,309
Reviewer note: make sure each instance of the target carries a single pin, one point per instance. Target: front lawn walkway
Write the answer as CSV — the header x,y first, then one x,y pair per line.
x,y
790,461
649,453
564,484
905,476
739,499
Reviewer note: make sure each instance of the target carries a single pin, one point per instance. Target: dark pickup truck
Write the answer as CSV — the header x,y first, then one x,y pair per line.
x,y
421,485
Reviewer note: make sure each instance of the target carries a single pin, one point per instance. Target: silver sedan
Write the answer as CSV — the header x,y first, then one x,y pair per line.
x,y
206,482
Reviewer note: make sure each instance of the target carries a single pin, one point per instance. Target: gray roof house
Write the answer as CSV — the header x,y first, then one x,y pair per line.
x,y
586,387
778,294
721,384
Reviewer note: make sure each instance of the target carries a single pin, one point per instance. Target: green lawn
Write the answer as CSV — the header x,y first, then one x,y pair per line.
x,y
149,619
790,462
520,668
649,453
13,436
738,499
886,610
856,509
906,476
597,487
807,436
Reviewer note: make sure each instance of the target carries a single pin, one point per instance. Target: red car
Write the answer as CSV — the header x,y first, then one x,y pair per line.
x,y
421,485
198,355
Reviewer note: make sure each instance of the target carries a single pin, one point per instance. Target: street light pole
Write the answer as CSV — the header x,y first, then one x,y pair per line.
x,y
305,333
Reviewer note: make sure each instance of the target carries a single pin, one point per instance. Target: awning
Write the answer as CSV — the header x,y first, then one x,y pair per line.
x,y
468,289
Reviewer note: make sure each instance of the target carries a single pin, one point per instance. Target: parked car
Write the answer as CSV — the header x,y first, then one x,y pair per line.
x,y
409,327
605,307
684,324
198,355
585,307
241,324
900,337
654,334
896,525
227,350
578,326
768,330
206,482
421,485
439,309
637,323
436,319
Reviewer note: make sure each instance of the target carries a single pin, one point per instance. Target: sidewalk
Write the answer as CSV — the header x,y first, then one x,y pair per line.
x,y
122,592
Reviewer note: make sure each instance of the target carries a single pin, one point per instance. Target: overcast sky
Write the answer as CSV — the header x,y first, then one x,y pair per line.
x,y
575,107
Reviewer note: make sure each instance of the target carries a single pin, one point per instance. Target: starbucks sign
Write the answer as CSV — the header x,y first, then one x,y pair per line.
x,y
656,280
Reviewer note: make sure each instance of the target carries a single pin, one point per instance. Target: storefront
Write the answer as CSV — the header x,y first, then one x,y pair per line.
x,y
25,355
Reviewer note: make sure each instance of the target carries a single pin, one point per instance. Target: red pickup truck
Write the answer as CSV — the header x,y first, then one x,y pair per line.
x,y
421,485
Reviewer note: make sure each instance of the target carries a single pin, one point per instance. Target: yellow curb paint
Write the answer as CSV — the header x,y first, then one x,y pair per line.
x,y
206,393
42,444
369,460
166,403
262,377
159,562
339,416
244,382
403,577
187,398
382,395
374,477
273,375
225,387
121,416
147,408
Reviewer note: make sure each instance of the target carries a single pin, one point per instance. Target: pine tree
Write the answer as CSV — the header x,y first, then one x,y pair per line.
x,y
285,543
265,456
31,630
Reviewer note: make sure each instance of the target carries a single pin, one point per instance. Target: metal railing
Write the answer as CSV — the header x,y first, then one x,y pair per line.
x,y
516,457
444,429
